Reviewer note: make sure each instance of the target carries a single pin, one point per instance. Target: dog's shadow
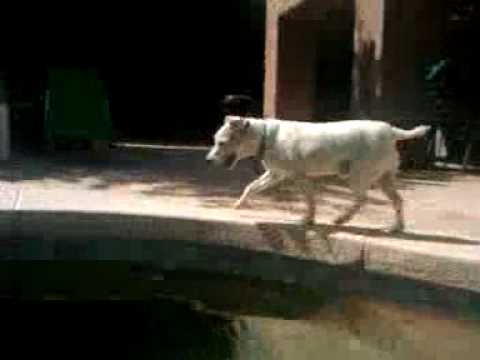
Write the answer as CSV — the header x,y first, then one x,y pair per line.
x,y
298,233
403,235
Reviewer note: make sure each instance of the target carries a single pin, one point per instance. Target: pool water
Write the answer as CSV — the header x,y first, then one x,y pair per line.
x,y
356,328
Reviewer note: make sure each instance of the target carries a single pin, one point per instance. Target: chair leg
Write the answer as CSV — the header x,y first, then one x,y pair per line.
x,y
466,157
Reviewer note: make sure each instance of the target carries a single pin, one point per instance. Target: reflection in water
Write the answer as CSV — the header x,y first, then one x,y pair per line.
x,y
361,328
354,328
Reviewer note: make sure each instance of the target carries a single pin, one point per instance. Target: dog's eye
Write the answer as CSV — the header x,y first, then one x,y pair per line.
x,y
222,143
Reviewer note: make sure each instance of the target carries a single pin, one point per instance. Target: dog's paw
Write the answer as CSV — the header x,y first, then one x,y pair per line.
x,y
395,229
308,221
237,205
241,205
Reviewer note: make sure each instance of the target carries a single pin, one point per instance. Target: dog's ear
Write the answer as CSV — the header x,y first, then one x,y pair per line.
x,y
237,122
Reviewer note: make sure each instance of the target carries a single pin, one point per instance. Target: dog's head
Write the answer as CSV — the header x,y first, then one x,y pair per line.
x,y
232,142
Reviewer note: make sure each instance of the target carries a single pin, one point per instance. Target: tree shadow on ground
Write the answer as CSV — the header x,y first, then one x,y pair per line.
x,y
175,171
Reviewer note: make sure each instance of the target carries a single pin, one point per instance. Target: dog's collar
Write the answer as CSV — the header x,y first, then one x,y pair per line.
x,y
267,133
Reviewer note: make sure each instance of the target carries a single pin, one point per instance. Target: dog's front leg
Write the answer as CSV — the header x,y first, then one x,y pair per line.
x,y
267,181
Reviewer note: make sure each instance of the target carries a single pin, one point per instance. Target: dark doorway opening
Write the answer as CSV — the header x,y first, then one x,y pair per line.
x,y
334,58
165,79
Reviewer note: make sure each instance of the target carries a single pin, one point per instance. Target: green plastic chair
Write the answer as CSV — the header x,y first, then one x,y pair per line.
x,y
76,107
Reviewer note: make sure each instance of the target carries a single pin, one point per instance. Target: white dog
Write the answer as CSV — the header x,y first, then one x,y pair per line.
x,y
363,151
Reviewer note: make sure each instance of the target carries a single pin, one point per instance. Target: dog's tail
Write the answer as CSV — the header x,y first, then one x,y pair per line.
x,y
416,132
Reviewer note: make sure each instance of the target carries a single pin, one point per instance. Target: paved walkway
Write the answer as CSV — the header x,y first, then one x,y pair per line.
x,y
177,181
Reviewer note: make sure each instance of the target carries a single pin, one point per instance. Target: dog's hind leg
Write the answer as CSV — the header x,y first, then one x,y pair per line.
x,y
267,181
387,185
360,200
359,182
307,188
